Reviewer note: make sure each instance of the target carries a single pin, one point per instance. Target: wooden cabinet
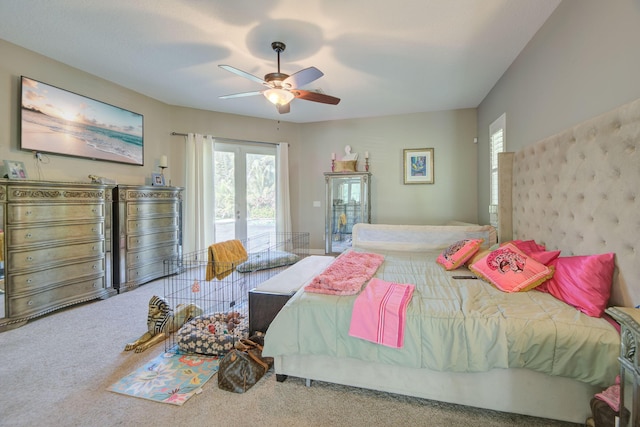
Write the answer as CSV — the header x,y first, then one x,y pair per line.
x,y
56,246
348,201
147,227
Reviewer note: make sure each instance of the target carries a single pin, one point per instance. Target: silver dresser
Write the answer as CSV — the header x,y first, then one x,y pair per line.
x,y
147,230
55,249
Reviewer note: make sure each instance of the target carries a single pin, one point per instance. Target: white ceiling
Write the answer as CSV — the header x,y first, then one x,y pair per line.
x,y
380,57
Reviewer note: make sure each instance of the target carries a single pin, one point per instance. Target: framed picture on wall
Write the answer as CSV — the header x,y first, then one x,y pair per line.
x,y
418,166
157,179
15,169
57,121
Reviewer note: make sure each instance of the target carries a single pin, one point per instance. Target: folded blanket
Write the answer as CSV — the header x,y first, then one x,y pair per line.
x,y
379,313
224,257
347,274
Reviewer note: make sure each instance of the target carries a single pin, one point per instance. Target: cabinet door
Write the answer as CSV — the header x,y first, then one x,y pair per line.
x,y
347,205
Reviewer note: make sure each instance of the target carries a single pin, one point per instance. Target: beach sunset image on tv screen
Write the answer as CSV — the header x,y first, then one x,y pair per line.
x,y
57,121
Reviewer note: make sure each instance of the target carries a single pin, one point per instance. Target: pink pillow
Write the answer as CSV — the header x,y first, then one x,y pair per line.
x,y
456,254
544,257
583,282
511,270
528,246
536,251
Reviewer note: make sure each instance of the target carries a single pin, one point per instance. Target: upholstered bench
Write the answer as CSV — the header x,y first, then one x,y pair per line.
x,y
266,299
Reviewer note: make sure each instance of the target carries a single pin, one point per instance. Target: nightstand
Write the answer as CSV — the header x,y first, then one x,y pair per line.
x,y
629,319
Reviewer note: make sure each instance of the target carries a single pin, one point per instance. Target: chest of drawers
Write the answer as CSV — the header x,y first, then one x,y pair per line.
x,y
56,246
147,230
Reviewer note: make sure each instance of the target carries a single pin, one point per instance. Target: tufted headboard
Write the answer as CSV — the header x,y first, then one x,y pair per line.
x,y
579,191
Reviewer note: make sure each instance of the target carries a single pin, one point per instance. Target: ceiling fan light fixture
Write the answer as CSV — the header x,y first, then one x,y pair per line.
x,y
278,96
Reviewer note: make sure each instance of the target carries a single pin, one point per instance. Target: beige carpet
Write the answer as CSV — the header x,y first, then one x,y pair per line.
x,y
55,371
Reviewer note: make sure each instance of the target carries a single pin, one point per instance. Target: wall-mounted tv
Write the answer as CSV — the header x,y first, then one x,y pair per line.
x,y
57,121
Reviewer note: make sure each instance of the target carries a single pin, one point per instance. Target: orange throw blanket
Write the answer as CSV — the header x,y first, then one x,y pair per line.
x,y
224,257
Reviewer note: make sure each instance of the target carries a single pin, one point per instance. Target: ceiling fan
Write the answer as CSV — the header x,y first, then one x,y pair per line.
x,y
283,88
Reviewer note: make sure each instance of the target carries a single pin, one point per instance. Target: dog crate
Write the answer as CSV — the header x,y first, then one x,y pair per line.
x,y
218,286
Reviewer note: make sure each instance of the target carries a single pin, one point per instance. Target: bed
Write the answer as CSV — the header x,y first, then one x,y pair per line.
x,y
543,198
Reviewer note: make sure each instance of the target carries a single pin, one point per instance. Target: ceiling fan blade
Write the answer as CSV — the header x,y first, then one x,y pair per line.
x,y
284,109
302,78
244,74
240,95
315,97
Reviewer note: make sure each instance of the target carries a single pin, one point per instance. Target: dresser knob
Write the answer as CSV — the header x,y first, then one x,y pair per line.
x,y
30,302
27,213
95,267
28,235
29,258
29,281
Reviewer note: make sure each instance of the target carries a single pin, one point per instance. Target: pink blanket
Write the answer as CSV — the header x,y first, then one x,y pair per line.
x,y
379,313
347,274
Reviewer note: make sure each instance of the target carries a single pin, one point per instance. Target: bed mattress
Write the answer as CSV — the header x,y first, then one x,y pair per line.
x,y
456,326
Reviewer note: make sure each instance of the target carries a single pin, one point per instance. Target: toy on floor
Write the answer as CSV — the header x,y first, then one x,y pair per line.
x,y
162,321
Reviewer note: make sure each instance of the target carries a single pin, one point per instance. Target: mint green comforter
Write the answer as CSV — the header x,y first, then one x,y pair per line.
x,y
455,325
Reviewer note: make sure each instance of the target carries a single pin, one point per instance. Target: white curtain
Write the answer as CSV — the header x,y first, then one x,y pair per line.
x,y
283,203
199,200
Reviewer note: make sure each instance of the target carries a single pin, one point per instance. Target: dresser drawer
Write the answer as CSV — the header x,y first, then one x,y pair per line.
x,y
33,281
17,236
152,255
146,272
21,260
30,213
149,225
155,208
155,239
40,302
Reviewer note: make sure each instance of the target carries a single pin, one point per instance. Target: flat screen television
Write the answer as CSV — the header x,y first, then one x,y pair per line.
x,y
56,121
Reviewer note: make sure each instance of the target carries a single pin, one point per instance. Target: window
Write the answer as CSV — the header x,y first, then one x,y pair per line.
x,y
497,140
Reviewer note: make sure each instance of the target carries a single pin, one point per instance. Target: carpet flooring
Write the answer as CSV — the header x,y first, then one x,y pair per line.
x,y
55,371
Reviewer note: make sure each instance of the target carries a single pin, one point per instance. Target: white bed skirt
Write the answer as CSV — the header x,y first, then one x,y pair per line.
x,y
520,391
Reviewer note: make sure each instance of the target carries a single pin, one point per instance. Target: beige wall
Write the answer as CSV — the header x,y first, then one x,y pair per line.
x,y
584,61
17,61
450,133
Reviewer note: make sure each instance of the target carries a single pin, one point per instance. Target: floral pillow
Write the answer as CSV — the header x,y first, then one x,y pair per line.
x,y
583,282
456,254
536,251
511,270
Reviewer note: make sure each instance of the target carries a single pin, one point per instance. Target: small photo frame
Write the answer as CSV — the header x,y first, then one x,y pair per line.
x,y
157,179
15,169
418,166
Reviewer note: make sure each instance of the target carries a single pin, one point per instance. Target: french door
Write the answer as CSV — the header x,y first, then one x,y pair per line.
x,y
245,190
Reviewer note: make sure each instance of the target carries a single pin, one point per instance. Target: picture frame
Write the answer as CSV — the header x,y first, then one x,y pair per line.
x,y
15,169
57,121
418,166
157,179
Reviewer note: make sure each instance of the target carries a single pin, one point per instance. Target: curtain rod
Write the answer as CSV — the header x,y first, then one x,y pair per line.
x,y
230,139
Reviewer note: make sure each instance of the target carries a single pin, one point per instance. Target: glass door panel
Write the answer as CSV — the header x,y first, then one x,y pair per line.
x,y
245,191
261,194
225,195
